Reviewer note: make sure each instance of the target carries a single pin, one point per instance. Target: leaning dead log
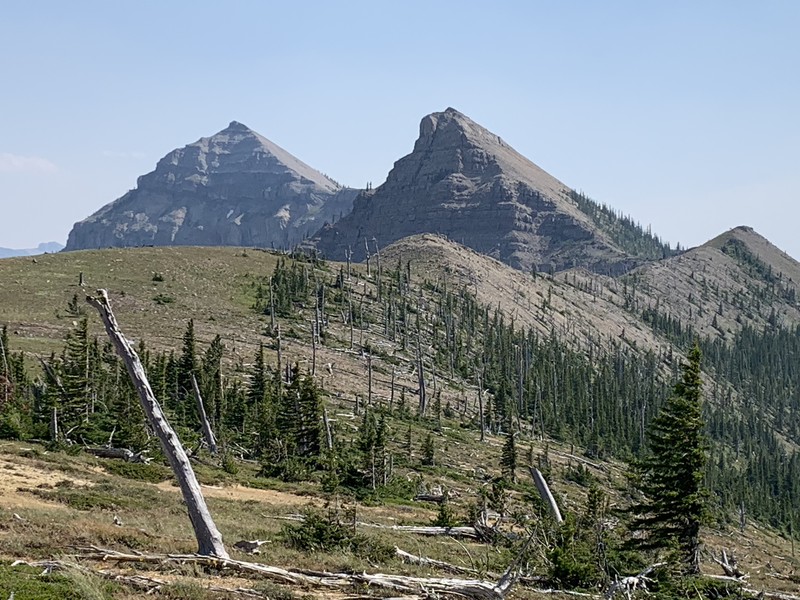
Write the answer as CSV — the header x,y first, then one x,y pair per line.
x,y
421,560
121,453
544,492
425,586
208,434
729,565
209,539
437,498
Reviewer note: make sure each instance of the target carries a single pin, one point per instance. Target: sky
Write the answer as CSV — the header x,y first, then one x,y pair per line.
x,y
683,114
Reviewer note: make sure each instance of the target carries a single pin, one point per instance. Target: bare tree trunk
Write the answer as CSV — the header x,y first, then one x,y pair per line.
x,y
208,434
366,246
328,436
209,539
6,372
350,309
54,423
348,255
322,324
369,377
480,408
421,380
391,394
313,348
271,307
278,344
378,260
361,318
544,492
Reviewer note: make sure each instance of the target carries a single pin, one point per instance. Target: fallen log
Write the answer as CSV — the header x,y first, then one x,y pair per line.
x,y
728,565
630,584
121,453
467,532
438,498
424,586
439,564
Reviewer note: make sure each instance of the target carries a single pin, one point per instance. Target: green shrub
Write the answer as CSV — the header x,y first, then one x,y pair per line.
x,y
229,464
320,532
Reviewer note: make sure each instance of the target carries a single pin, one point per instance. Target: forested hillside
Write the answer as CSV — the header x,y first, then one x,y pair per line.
x,y
381,381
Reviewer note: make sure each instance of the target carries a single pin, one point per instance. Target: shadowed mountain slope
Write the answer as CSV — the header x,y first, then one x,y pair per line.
x,y
233,188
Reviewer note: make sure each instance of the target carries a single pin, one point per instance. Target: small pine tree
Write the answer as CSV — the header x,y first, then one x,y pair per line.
x,y
671,476
428,451
508,459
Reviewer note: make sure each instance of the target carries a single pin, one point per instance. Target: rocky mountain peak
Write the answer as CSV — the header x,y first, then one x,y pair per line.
x,y
236,126
465,182
235,187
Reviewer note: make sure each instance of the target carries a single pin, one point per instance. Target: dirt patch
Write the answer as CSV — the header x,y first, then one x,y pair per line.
x,y
18,474
239,492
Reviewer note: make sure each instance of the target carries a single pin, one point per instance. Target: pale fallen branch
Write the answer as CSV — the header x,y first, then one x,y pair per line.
x,y
581,460
424,586
467,532
422,560
630,584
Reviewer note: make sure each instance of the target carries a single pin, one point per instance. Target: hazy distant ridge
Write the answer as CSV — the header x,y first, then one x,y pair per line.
x,y
40,249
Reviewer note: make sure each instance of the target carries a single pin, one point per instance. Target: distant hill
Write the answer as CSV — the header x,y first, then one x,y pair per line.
x,y
466,183
234,188
40,249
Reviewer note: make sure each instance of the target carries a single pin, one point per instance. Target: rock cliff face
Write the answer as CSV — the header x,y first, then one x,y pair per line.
x,y
464,182
235,188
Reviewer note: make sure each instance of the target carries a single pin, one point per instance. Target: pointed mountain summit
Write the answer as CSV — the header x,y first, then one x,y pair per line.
x,y
234,188
465,182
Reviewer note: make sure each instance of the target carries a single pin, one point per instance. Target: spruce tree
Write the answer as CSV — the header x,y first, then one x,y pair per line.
x,y
508,459
428,451
671,475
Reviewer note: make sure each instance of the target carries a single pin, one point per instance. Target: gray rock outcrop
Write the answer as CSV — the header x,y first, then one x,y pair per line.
x,y
235,188
465,182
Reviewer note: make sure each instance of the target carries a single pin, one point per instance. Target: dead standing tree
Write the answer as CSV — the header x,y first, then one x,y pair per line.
x,y
209,539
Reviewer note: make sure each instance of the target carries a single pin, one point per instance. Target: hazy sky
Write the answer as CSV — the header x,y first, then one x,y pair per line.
x,y
685,115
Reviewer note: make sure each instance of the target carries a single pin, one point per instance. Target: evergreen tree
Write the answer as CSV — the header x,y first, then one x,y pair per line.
x,y
671,475
187,365
508,459
428,450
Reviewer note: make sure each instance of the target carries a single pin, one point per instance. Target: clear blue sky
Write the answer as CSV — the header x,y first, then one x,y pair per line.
x,y
684,114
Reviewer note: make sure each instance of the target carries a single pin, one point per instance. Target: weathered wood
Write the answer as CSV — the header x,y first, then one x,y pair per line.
x,y
438,498
426,586
421,560
208,434
466,532
581,460
544,492
121,453
630,584
209,539
327,423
